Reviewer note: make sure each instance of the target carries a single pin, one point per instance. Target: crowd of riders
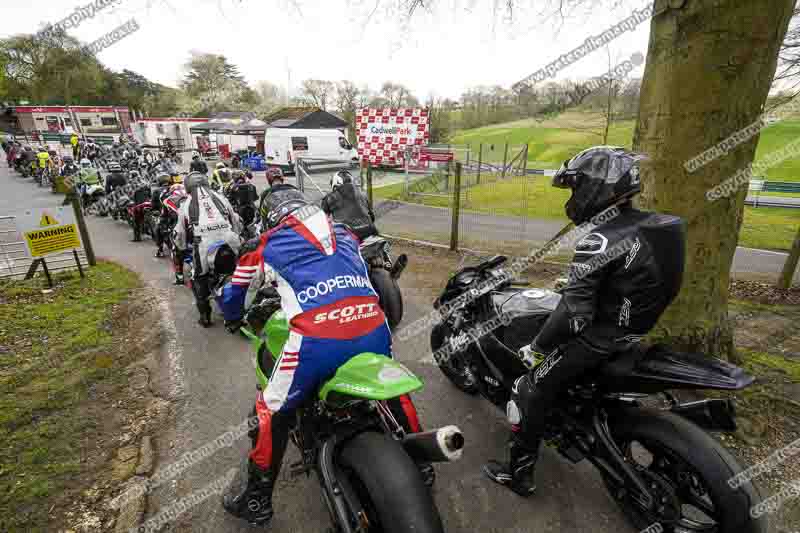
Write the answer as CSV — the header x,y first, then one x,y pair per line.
x,y
239,245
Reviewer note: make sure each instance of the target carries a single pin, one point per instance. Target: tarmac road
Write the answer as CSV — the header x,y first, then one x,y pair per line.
x,y
211,375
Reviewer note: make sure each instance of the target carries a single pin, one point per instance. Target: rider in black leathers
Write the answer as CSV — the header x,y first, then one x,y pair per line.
x,y
623,276
197,164
347,204
115,179
277,194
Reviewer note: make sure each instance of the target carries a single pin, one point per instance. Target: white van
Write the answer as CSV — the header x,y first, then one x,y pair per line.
x,y
282,146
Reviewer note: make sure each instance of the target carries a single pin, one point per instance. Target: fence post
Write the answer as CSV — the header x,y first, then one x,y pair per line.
x,y
785,281
505,160
405,169
369,184
525,161
87,242
456,211
480,162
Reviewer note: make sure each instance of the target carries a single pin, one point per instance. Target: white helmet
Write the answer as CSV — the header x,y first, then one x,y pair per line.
x,y
85,163
195,154
340,178
221,165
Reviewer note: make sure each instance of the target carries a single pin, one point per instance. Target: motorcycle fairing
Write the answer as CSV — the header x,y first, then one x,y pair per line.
x,y
371,376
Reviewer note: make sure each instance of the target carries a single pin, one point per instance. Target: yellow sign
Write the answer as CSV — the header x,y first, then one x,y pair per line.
x,y
47,220
53,239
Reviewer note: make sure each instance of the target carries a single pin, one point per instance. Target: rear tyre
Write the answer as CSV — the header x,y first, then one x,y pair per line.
x,y
689,471
388,485
389,295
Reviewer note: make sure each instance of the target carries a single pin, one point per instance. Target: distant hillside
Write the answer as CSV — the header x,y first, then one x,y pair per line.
x,y
553,141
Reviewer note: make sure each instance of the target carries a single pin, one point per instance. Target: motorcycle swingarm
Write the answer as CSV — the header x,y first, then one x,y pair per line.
x,y
608,458
338,490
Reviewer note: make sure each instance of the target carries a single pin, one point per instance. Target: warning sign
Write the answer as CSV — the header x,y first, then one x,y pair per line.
x,y
49,230
47,220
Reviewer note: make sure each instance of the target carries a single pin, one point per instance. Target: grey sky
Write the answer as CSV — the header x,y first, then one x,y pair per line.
x,y
461,43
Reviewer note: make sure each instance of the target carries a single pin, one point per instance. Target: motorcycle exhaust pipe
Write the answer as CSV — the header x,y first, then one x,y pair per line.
x,y
712,415
399,265
437,445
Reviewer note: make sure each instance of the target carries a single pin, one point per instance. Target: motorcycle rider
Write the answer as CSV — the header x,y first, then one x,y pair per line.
x,y
206,220
347,204
43,157
220,176
69,168
243,195
302,251
116,177
605,309
171,203
167,186
87,176
197,164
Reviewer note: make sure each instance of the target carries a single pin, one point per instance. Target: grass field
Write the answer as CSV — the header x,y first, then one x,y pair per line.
x,y
766,228
54,349
554,140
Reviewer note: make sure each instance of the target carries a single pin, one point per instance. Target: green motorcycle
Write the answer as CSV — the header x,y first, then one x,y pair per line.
x,y
364,461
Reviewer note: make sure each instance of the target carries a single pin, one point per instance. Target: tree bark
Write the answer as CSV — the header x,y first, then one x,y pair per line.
x,y
709,69
790,266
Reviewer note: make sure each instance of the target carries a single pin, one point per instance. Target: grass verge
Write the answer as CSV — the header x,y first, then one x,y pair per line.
x,y
55,348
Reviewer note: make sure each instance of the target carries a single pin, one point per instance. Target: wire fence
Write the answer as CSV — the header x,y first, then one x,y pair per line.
x,y
483,197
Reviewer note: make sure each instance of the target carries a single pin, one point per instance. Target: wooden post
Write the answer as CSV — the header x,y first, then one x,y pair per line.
x,y
505,159
78,262
47,273
789,268
369,184
480,161
456,209
87,242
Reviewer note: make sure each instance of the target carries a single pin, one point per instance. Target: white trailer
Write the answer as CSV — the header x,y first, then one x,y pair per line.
x,y
149,131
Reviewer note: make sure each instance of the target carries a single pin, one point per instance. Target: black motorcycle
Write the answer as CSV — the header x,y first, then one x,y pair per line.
x,y
659,465
384,273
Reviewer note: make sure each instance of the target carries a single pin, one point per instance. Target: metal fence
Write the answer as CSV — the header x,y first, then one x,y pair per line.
x,y
15,261
489,205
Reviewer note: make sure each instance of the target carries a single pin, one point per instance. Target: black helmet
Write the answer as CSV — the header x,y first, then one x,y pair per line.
x,y
194,180
163,180
277,205
599,178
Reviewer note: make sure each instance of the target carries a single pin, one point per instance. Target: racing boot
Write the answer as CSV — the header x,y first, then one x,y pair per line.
x,y
179,278
205,320
518,473
159,252
253,501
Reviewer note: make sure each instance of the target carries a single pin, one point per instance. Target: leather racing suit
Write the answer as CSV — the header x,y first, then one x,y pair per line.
x,y
622,277
333,315
207,222
348,205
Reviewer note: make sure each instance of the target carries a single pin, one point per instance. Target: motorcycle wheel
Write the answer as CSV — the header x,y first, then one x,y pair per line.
x,y
389,296
688,471
388,485
455,368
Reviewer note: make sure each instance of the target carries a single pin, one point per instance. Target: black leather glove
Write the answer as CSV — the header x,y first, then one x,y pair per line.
x,y
233,326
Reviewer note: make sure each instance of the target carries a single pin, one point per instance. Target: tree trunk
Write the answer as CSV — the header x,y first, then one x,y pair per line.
x,y
790,267
709,69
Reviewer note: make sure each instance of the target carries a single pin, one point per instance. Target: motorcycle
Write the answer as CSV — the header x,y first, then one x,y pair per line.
x,y
346,435
659,465
384,273
120,211
93,194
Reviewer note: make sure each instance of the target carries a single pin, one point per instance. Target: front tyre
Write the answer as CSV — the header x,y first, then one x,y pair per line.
x,y
455,366
689,471
389,295
388,485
